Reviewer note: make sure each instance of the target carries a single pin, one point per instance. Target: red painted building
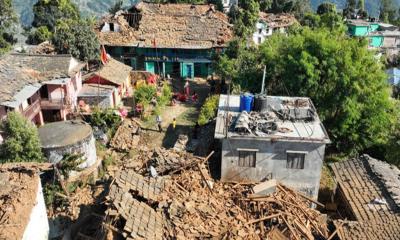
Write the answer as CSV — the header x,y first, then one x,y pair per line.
x,y
44,88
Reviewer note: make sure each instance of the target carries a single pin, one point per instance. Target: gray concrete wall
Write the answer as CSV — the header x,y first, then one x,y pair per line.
x,y
271,161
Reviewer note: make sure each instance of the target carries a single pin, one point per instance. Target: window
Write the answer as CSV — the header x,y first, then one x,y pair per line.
x,y
247,158
260,31
259,40
295,160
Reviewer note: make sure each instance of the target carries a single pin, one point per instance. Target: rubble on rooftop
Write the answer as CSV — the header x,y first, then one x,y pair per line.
x,y
277,20
282,117
169,25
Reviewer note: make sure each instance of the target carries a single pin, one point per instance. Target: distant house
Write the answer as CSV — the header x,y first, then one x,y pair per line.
x,y
43,88
285,141
367,194
228,4
380,35
166,39
22,208
393,76
113,74
269,23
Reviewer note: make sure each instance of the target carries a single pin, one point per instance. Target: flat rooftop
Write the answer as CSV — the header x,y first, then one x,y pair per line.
x,y
62,134
285,119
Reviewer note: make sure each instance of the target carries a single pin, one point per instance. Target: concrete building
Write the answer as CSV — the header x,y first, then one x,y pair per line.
x,y
167,39
22,209
68,137
269,23
380,35
285,141
43,88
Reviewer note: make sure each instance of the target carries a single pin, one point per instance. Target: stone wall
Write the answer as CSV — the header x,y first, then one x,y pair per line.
x,y
86,147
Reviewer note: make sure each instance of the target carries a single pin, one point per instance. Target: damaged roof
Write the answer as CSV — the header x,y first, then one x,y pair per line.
x,y
113,71
277,20
20,70
18,194
285,118
371,191
170,25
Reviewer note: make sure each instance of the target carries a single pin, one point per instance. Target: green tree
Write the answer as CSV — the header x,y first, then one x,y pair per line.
x,y
7,20
342,78
245,17
78,39
39,35
326,8
22,142
49,12
388,12
350,9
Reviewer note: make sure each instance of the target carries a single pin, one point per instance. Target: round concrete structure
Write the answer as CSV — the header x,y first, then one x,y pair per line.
x,y
68,137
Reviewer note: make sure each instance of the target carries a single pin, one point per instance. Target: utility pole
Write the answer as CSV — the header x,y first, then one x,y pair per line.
x,y
263,80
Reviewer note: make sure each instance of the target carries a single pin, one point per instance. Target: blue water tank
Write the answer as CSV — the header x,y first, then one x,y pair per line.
x,y
246,102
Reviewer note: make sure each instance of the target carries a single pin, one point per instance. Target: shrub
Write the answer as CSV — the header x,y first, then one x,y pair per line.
x,y
22,142
208,110
145,93
166,95
39,35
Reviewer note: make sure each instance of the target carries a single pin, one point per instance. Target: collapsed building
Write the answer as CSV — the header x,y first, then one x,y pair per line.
x,y
22,206
281,139
368,195
167,39
184,202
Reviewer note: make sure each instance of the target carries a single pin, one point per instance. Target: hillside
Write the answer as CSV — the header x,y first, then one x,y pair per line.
x,y
87,8
372,6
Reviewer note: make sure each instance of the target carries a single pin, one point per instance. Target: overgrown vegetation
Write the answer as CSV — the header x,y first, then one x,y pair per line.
x,y
209,110
69,163
145,94
22,142
106,120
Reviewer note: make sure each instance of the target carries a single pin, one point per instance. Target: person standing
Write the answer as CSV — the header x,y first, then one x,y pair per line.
x,y
159,121
174,123
187,88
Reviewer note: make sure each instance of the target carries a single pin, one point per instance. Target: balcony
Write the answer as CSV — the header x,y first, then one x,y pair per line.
x,y
32,110
54,104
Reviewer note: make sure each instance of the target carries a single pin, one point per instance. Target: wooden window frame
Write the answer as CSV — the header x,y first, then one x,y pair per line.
x,y
247,158
292,156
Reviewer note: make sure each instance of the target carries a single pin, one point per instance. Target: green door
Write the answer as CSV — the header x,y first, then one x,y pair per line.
x,y
187,70
150,67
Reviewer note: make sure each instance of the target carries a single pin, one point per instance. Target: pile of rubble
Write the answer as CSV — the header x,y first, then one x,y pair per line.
x,y
127,136
188,204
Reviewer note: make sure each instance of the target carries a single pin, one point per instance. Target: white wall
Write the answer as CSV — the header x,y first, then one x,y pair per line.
x,y
263,32
38,226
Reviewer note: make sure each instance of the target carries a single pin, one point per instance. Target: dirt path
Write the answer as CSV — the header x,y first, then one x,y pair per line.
x,y
186,115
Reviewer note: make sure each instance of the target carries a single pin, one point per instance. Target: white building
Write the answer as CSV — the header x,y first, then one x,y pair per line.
x,y
269,23
228,4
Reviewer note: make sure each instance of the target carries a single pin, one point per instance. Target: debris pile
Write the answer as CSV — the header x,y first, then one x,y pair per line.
x,y
181,143
188,204
127,136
